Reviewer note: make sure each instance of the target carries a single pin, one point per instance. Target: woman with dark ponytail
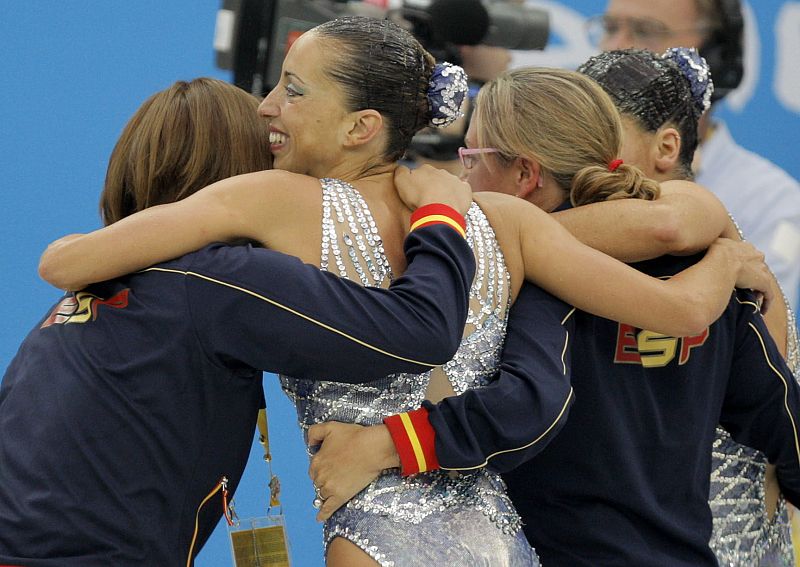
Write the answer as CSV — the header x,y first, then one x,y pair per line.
x,y
661,127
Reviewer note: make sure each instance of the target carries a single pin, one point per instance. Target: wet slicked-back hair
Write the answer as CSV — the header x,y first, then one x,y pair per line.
x,y
653,91
180,140
381,66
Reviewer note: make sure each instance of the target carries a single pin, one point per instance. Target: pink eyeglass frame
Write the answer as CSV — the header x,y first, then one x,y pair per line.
x,y
463,152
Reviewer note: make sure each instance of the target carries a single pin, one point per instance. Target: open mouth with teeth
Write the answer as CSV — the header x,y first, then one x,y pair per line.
x,y
277,138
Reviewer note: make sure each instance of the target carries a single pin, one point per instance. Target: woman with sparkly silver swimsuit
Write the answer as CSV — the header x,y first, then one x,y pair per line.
x,y
345,113
399,518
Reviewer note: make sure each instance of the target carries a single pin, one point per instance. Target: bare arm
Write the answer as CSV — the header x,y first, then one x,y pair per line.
x,y
277,209
776,319
683,305
686,219
248,206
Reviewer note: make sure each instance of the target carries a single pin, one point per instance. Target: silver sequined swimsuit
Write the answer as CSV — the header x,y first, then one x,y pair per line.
x,y
743,535
461,519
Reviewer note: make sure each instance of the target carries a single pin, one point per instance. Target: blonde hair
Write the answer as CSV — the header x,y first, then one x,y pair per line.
x,y
180,140
566,123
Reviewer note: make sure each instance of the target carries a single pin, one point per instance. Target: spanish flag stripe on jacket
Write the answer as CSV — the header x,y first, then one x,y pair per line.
x,y
413,437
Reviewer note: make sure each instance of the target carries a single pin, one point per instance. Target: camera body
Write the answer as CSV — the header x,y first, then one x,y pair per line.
x,y
253,36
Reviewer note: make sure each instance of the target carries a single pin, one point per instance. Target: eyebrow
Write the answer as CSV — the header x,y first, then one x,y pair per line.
x,y
290,75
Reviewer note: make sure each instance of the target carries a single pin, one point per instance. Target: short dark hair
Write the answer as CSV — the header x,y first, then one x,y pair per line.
x,y
723,46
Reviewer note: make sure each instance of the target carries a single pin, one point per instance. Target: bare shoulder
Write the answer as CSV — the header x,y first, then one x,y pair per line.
x,y
689,188
680,186
282,210
271,194
677,186
497,207
281,184
695,195
508,214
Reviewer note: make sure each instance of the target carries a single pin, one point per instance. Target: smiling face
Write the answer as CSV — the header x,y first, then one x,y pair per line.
x,y
306,111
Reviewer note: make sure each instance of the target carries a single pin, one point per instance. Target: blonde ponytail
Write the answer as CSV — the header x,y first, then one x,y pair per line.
x,y
565,122
594,183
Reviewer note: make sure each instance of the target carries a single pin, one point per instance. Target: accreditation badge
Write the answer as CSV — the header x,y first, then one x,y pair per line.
x,y
260,542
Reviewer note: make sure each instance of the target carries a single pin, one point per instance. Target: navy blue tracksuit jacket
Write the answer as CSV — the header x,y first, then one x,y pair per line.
x,y
130,400
625,481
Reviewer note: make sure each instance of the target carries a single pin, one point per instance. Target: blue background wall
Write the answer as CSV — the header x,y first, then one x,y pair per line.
x,y
74,72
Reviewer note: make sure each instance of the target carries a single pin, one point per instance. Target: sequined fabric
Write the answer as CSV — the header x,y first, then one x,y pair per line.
x,y
446,91
743,535
697,73
465,519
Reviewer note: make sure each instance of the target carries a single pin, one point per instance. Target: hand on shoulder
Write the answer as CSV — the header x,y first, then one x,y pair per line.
x,y
427,184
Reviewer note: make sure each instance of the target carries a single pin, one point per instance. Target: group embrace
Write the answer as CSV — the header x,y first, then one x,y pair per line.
x,y
561,357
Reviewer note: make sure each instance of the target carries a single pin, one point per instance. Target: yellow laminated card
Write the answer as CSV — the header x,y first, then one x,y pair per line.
x,y
260,542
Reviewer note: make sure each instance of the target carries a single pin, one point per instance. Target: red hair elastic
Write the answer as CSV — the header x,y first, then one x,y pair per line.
x,y
614,165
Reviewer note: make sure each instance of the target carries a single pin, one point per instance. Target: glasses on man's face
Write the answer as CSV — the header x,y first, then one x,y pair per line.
x,y
469,156
643,32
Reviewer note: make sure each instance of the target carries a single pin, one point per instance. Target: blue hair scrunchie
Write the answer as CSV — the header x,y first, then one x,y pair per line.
x,y
696,70
446,91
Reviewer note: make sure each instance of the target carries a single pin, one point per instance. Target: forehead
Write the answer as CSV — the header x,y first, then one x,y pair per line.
x,y
307,58
673,13
471,137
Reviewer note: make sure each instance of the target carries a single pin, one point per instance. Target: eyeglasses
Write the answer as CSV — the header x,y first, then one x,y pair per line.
x,y
468,156
643,31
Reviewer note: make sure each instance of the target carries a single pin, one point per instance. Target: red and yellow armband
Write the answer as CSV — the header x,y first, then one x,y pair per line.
x,y
413,438
437,213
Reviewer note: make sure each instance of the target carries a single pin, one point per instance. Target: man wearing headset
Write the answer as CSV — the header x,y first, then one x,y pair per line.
x,y
764,199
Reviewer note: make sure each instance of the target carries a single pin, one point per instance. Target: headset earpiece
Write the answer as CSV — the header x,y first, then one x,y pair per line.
x,y
724,49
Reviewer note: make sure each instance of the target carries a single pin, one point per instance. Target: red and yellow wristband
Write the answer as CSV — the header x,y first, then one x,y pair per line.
x,y
437,213
413,438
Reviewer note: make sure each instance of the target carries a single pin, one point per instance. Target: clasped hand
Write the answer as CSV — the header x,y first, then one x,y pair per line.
x,y
753,273
349,458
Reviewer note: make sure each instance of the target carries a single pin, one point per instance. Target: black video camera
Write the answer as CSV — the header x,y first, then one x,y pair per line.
x,y
252,36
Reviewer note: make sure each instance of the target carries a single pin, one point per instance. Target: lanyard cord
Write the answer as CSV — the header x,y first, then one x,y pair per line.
x,y
227,510
263,438
221,485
